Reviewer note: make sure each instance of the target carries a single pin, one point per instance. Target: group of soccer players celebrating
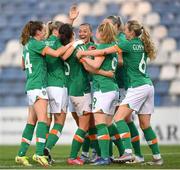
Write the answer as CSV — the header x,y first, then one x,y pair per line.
x,y
101,83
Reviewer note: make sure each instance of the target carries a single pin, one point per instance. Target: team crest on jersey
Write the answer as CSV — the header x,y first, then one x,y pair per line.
x,y
44,92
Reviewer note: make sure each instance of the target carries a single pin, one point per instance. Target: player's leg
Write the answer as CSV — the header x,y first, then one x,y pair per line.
x,y
135,140
58,106
144,119
123,130
103,138
40,107
83,110
102,109
54,134
27,135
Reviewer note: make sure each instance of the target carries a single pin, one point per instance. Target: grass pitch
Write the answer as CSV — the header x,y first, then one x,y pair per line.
x,y
171,156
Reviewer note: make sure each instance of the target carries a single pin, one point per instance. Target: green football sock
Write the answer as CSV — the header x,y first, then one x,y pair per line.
x,y
41,132
151,139
86,144
135,139
115,137
103,140
110,148
78,139
94,140
124,133
54,135
26,139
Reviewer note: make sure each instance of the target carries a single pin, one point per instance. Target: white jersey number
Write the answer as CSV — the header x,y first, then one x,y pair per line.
x,y
114,63
67,69
142,65
28,65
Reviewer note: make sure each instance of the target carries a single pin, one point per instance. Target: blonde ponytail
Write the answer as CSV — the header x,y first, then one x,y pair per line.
x,y
141,32
107,32
148,44
51,25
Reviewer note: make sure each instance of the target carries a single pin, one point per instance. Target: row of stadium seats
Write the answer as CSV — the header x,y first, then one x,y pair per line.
x,y
162,18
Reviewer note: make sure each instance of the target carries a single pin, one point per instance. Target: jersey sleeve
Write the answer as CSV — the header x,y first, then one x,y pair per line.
x,y
39,47
125,46
58,44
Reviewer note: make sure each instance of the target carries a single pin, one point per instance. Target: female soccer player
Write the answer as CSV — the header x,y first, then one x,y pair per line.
x,y
140,93
57,85
120,78
35,66
56,88
105,93
79,92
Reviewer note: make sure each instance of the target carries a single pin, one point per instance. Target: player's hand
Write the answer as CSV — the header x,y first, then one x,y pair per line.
x,y
78,54
73,13
77,42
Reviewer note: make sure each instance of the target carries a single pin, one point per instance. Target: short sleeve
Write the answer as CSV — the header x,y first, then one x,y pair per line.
x,y
125,46
58,44
38,47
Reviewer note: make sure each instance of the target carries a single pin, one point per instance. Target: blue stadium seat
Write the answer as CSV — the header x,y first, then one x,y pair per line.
x,y
6,34
3,22
9,100
167,19
112,9
168,100
17,88
4,88
158,6
2,46
12,74
161,87
178,19
157,99
174,32
153,72
178,44
22,100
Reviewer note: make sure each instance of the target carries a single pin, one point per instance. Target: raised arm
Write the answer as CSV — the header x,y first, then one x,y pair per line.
x,y
101,52
73,13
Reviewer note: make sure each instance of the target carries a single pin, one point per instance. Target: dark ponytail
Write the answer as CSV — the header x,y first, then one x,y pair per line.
x,y
66,33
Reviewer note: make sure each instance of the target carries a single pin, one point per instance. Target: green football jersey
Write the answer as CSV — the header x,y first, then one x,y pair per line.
x,y
78,79
134,63
55,66
90,46
119,74
103,83
35,64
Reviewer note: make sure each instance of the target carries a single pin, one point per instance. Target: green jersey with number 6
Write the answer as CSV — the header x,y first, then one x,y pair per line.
x,y
103,83
55,66
134,63
35,65
78,80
